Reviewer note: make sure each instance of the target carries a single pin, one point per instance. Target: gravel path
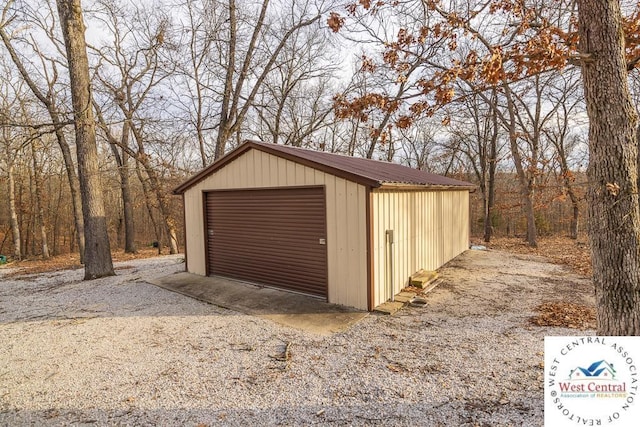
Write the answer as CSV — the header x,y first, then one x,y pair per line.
x,y
119,351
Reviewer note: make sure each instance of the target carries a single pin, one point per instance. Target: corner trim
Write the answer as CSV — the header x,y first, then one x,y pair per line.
x,y
369,225
184,233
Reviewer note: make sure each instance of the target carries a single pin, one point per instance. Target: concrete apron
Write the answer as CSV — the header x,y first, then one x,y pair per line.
x,y
286,308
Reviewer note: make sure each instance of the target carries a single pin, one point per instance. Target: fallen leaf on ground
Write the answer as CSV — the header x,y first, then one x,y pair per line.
x,y
565,314
576,254
71,262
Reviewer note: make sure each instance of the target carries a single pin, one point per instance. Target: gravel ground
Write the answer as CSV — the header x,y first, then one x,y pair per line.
x,y
119,351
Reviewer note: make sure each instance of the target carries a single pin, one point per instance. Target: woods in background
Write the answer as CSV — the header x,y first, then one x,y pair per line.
x,y
174,91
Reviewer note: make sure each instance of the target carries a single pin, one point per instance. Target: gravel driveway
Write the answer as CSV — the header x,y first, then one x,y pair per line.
x,y
119,351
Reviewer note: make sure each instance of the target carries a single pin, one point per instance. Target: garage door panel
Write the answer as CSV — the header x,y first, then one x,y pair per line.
x,y
259,254
269,236
236,268
267,276
261,238
273,228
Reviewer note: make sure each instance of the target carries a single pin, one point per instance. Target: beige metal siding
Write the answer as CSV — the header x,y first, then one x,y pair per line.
x,y
346,219
429,227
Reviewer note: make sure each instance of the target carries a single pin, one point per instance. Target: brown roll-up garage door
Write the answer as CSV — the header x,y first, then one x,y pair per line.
x,y
276,237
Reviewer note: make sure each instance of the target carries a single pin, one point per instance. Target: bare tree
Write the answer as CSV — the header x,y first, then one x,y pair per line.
x,y
248,65
197,93
39,201
295,100
98,261
48,97
130,69
559,132
525,121
476,133
9,102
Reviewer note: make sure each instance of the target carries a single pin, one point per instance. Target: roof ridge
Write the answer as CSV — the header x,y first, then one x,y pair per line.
x,y
368,172
329,153
348,157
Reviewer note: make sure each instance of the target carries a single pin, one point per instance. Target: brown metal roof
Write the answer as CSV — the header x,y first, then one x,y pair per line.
x,y
372,173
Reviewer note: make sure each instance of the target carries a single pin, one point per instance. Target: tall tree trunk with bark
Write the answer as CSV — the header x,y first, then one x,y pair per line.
x,y
613,212
491,187
146,191
37,180
117,147
122,160
567,179
13,213
129,225
98,262
74,187
491,164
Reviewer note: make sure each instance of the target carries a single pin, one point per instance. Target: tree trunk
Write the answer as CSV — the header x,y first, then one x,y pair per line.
x,y
13,214
524,184
221,140
149,204
129,225
532,231
227,95
491,192
163,207
98,261
199,114
23,224
487,218
568,183
38,205
125,192
74,188
574,221
56,218
492,163
613,211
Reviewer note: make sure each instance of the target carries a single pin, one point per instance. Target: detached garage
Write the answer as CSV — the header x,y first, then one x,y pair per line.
x,y
348,230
